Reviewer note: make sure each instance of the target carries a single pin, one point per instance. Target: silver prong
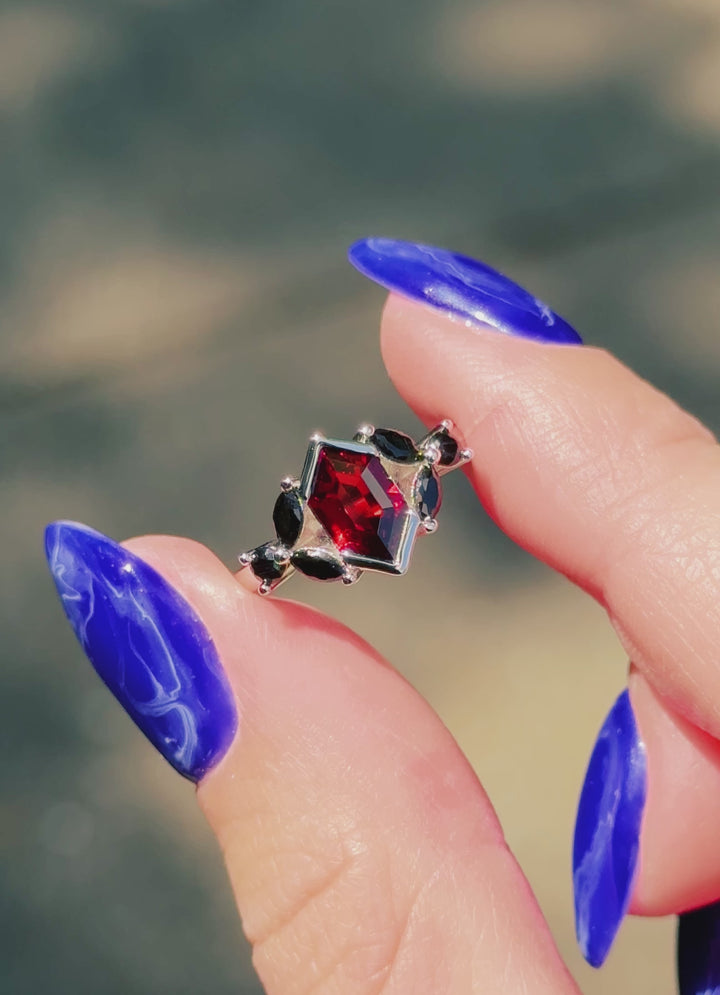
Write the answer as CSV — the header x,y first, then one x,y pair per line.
x,y
429,525
281,554
444,426
317,437
288,483
351,575
245,559
432,454
464,456
270,586
364,432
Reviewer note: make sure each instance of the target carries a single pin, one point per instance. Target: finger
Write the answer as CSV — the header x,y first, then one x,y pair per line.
x,y
363,852
593,471
624,501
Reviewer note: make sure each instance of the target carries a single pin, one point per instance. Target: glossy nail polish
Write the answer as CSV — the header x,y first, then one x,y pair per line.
x,y
607,832
698,951
462,287
147,644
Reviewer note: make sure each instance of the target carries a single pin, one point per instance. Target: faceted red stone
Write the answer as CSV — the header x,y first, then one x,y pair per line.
x,y
358,504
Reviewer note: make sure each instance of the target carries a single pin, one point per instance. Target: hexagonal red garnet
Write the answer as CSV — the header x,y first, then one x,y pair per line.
x,y
358,504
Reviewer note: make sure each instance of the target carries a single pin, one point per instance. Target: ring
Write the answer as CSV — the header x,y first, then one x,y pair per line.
x,y
357,506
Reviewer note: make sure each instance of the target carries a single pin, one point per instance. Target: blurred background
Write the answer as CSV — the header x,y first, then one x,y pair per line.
x,y
180,181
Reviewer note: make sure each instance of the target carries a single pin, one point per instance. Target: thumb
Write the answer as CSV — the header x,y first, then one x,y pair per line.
x,y
362,850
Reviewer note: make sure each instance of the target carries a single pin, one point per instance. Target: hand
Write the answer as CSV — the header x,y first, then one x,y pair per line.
x,y
363,851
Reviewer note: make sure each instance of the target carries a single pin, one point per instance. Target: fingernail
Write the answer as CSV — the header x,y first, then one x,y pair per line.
x,y
460,286
698,951
147,644
607,832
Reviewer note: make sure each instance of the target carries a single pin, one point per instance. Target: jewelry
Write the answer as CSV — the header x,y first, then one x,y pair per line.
x,y
357,506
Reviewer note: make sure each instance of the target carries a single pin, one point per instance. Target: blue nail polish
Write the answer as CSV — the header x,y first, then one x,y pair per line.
x,y
607,832
461,286
698,951
147,644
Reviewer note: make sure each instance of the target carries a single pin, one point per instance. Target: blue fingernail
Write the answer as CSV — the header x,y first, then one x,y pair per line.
x,y
460,286
147,644
607,832
698,951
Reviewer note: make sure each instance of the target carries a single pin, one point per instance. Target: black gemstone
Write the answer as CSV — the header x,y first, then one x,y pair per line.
x,y
448,447
395,445
428,493
264,565
288,517
317,563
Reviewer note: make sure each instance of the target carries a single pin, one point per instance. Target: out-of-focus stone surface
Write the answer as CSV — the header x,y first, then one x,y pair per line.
x,y
180,182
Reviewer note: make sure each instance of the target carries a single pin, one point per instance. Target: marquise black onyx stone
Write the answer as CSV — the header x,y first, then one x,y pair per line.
x,y
448,447
395,445
428,493
288,517
264,565
317,563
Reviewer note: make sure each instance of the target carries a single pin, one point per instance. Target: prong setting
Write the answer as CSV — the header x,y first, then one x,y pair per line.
x,y
364,433
432,454
351,575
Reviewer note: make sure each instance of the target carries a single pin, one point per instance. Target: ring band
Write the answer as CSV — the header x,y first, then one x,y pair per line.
x,y
357,506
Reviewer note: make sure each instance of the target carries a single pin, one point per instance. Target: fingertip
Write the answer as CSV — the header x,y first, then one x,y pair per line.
x,y
445,366
679,861
422,348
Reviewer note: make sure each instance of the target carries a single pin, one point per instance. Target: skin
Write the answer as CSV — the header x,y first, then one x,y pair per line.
x,y
343,800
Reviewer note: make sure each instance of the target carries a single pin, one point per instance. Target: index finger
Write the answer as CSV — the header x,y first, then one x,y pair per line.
x,y
607,480
593,471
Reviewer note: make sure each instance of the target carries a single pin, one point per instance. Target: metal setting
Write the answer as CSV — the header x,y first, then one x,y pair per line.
x,y
398,478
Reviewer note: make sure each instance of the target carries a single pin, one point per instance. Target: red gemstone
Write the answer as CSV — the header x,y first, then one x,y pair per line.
x,y
358,504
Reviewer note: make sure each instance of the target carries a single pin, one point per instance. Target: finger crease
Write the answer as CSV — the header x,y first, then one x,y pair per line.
x,y
281,922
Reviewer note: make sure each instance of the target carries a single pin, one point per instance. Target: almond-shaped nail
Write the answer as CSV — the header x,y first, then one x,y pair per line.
x,y
462,287
607,832
698,951
147,644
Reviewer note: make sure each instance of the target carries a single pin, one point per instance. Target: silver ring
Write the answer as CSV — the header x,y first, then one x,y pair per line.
x,y
357,506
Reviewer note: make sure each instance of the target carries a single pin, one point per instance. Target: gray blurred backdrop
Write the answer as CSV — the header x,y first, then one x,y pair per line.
x,y
179,183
